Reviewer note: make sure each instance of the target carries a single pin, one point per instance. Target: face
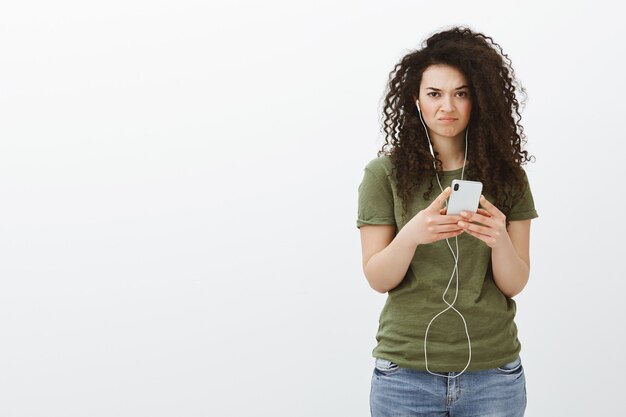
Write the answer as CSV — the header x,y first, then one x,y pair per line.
x,y
445,102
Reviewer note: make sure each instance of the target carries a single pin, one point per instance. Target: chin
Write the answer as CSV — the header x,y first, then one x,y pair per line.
x,y
451,136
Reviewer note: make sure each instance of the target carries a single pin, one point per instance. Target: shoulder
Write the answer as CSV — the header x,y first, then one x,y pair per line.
x,y
518,185
380,166
525,183
522,204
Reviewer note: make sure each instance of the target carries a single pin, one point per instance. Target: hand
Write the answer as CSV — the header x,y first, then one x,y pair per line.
x,y
493,230
432,223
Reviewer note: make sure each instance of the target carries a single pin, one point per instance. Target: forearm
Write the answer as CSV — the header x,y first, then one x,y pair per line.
x,y
510,272
386,269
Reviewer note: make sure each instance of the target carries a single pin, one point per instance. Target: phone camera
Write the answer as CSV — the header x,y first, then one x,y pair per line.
x,y
456,187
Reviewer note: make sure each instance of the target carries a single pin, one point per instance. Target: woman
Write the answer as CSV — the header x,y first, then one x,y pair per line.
x,y
444,348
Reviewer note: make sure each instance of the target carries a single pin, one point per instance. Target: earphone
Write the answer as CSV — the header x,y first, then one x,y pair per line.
x,y
456,263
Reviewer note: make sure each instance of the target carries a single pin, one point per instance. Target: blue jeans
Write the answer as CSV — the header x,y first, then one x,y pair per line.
x,y
498,392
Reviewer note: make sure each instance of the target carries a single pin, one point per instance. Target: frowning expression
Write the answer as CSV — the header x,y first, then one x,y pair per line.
x,y
445,101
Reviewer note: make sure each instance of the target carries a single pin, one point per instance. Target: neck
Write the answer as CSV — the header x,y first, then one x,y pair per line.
x,y
451,150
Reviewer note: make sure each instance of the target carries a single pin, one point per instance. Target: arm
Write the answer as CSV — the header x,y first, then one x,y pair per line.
x,y
510,257
511,261
386,255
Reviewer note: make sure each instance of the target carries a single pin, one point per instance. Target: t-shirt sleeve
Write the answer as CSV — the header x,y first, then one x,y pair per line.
x,y
376,204
523,207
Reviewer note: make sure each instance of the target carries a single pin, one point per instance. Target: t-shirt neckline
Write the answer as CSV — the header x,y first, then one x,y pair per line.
x,y
453,172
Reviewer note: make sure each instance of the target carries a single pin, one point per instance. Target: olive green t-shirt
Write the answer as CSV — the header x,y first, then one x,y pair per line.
x,y
418,298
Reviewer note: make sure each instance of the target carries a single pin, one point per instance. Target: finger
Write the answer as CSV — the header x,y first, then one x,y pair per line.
x,y
489,241
475,217
437,203
483,212
483,230
447,228
476,235
449,235
445,219
487,204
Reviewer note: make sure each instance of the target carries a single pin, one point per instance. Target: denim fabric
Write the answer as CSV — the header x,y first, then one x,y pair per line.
x,y
404,392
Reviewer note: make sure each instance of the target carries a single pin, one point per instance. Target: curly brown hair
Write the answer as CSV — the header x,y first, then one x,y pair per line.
x,y
496,136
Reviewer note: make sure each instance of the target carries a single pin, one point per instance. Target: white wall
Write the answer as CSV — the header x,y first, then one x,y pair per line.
x,y
179,188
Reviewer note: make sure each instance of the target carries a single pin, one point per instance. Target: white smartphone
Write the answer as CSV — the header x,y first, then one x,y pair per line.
x,y
465,196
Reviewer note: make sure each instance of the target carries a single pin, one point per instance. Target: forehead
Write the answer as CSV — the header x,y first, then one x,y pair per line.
x,y
442,76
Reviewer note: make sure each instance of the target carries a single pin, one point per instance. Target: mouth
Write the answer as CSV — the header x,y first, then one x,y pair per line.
x,y
447,119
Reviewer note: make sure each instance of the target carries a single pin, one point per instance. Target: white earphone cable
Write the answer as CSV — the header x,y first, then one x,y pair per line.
x,y
455,270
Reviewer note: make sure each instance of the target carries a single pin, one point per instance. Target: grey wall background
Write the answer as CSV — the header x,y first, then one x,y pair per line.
x,y
178,202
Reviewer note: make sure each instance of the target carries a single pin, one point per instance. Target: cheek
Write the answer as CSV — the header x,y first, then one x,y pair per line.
x,y
467,109
428,111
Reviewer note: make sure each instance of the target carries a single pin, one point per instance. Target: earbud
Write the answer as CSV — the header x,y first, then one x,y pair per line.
x,y
417,103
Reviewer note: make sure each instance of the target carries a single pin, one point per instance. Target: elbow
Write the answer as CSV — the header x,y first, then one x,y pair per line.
x,y
373,282
515,291
379,289
511,294
376,286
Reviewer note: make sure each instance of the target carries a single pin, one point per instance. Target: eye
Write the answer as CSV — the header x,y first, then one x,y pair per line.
x,y
432,92
464,93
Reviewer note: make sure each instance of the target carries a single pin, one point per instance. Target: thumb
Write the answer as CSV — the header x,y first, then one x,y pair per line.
x,y
441,198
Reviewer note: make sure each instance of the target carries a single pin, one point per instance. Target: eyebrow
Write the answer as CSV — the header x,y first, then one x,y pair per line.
x,y
458,88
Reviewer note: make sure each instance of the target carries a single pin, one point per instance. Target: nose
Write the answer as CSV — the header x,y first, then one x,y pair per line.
x,y
448,104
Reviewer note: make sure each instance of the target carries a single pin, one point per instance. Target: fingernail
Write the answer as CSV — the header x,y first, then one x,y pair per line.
x,y
464,213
